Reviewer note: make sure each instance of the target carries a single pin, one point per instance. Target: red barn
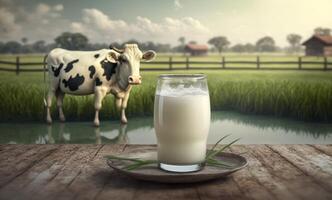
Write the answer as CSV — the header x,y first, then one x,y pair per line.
x,y
196,49
318,45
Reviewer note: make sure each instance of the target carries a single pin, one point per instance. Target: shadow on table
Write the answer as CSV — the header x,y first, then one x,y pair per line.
x,y
113,179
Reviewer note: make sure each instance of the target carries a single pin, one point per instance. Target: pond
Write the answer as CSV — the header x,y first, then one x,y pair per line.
x,y
251,129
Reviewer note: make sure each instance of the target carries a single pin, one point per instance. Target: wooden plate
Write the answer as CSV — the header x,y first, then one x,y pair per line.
x,y
153,173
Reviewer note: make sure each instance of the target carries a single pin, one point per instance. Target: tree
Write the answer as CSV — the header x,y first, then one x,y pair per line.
x,y
266,44
192,42
219,42
1,47
294,41
12,47
239,48
39,46
322,31
182,40
24,40
72,41
249,47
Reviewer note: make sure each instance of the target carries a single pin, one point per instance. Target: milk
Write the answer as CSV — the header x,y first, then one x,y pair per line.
x,y
182,120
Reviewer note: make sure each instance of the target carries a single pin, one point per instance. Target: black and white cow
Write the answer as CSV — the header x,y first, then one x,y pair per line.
x,y
94,72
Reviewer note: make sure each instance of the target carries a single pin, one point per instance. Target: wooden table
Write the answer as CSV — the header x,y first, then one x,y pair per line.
x,y
80,172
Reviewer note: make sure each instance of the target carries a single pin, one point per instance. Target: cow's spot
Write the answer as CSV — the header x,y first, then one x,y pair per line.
x,y
97,55
73,83
56,71
98,82
70,65
92,70
109,68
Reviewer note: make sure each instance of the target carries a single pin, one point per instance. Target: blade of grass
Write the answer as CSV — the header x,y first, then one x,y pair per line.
x,y
138,165
222,149
112,157
218,162
215,145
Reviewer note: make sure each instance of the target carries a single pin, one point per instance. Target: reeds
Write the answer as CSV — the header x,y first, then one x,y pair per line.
x,y
303,100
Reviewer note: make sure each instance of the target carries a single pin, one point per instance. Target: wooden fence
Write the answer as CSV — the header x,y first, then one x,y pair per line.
x,y
223,64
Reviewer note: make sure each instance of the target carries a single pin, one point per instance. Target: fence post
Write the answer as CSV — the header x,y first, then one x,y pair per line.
x,y
223,62
300,62
170,63
258,62
187,63
325,63
17,65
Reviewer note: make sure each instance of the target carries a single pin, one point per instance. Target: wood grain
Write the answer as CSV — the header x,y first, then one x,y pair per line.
x,y
310,161
80,172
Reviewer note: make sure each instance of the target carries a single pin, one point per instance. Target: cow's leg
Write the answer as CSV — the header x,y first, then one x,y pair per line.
x,y
100,93
118,103
123,107
59,102
119,106
50,95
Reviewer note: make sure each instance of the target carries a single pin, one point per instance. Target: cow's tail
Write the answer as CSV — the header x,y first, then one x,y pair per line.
x,y
45,86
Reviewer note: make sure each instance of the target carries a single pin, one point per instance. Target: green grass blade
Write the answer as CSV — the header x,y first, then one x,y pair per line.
x,y
222,149
215,145
139,165
112,157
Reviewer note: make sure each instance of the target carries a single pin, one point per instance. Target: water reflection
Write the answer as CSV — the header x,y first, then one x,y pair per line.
x,y
315,130
252,129
64,135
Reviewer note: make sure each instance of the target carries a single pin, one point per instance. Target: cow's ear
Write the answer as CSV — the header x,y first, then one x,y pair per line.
x,y
113,57
149,55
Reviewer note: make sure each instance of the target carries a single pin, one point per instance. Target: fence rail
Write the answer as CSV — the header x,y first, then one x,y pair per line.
x,y
223,64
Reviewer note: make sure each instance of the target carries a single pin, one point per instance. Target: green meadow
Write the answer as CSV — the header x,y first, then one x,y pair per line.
x,y
302,95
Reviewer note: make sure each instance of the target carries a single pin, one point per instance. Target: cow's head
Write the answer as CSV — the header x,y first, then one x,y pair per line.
x,y
129,61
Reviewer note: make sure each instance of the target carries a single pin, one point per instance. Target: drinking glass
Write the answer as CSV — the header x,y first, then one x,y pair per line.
x,y
182,121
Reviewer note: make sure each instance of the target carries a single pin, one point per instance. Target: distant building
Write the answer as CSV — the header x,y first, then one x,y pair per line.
x,y
318,45
196,49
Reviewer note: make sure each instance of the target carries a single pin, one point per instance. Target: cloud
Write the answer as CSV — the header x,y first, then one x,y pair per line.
x,y
101,28
8,26
177,4
94,17
42,9
17,21
58,7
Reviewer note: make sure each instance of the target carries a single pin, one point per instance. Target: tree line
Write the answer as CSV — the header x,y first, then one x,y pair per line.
x,y
264,44
78,41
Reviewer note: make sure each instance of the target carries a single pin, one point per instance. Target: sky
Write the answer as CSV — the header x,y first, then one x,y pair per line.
x,y
163,21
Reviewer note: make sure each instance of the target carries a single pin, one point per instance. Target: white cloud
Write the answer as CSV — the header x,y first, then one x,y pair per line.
x,y
246,23
8,26
37,23
100,27
58,7
42,9
177,4
94,17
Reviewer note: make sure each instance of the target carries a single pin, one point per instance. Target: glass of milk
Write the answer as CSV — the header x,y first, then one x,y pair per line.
x,y
182,121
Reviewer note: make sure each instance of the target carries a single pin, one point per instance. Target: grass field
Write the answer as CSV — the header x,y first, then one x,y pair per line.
x,y
303,95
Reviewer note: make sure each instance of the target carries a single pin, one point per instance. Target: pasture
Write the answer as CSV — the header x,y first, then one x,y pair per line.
x,y
302,95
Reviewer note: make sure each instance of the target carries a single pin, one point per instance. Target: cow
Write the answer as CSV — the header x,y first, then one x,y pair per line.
x,y
94,72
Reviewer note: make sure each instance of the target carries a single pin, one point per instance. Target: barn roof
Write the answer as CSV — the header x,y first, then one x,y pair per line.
x,y
197,47
326,39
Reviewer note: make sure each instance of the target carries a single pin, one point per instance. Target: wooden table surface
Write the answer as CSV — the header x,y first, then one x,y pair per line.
x,y
80,172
